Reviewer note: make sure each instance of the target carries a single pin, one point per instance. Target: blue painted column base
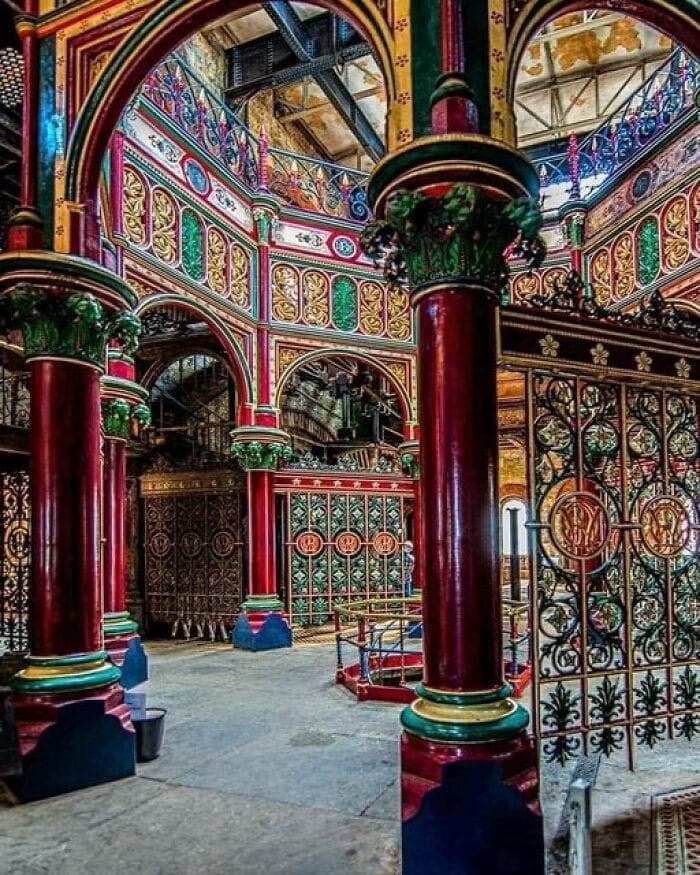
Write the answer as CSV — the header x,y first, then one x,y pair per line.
x,y
473,823
83,744
272,633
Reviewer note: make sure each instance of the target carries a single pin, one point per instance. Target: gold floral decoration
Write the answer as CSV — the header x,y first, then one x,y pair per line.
x,y
399,313
525,285
643,362
600,354
134,207
549,346
285,293
240,273
675,235
286,356
682,369
164,226
600,277
371,308
623,267
216,261
315,306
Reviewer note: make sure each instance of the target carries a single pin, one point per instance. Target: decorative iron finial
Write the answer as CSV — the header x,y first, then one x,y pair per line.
x,y
574,168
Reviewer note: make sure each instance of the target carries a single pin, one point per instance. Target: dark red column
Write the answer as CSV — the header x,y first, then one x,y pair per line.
x,y
448,208
114,525
457,390
261,535
73,727
66,471
123,410
262,624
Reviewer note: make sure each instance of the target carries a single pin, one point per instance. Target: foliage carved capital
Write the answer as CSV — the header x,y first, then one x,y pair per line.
x,y
75,326
462,236
409,457
260,449
118,414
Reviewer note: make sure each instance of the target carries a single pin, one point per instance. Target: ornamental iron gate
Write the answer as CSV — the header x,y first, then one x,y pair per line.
x,y
343,545
193,551
615,491
15,561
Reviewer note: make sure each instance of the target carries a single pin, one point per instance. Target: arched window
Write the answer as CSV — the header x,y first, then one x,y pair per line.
x,y
520,509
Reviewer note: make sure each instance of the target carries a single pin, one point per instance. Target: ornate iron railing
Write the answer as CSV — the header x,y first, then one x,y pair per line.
x,y
339,191
666,96
302,182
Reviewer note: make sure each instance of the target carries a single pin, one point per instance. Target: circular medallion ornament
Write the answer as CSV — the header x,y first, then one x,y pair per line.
x,y
196,176
222,543
160,545
309,543
385,543
665,526
641,184
344,247
190,544
347,543
579,525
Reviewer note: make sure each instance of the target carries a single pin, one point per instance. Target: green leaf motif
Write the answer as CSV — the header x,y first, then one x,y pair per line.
x,y
192,246
648,256
344,303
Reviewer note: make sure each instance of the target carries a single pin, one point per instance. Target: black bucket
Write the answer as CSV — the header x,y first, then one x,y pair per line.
x,y
149,734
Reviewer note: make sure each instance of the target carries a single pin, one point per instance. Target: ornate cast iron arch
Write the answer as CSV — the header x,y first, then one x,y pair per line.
x,y
234,357
401,394
148,41
678,19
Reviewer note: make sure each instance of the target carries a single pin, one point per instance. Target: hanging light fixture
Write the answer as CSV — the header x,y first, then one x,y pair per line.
x,y
11,76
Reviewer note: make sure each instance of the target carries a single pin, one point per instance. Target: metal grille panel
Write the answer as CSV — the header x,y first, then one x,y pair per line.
x,y
341,547
15,560
615,486
193,550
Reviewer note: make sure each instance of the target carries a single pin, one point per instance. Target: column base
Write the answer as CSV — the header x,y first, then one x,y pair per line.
x,y
261,625
470,808
71,741
127,653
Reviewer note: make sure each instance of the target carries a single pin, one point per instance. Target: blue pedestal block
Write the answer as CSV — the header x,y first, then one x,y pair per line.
x,y
273,633
473,824
83,747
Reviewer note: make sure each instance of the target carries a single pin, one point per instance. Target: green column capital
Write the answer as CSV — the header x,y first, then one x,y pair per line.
x,y
409,457
75,326
260,448
573,217
265,212
458,232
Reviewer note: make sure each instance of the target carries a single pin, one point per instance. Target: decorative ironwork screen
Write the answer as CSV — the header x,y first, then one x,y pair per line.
x,y
341,546
15,561
615,489
193,551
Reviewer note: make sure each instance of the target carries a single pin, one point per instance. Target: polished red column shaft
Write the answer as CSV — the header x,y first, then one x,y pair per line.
x,y
261,533
66,470
459,467
114,526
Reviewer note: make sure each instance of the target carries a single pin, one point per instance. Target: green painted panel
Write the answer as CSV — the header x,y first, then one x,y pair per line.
x,y
192,245
648,256
344,303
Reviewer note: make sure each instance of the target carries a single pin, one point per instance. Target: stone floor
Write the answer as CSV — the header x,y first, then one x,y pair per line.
x,y
268,768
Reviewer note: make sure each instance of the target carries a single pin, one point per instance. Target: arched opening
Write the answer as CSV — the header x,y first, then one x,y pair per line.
x,y
160,33
677,20
592,89
341,410
180,322
186,530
